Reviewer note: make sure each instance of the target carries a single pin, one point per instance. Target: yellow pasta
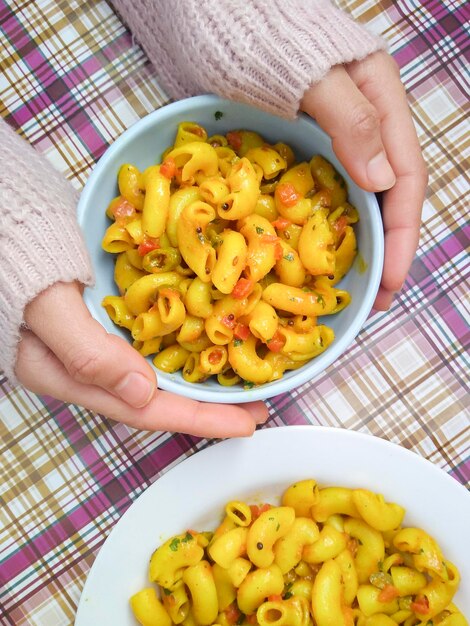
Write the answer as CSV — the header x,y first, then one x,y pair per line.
x,y
131,185
189,132
171,359
156,202
229,546
269,159
194,247
327,178
251,244
201,584
246,362
118,311
316,245
315,559
299,178
194,157
116,239
148,609
231,261
125,273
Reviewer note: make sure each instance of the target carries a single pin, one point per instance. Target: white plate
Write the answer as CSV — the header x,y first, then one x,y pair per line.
x,y
192,495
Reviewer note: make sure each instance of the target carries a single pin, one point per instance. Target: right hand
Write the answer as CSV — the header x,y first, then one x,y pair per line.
x,y
69,355
363,107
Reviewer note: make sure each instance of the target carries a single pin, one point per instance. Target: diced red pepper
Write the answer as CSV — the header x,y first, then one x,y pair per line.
x,y
147,245
281,223
276,343
340,224
420,605
122,209
278,252
269,238
229,321
388,593
352,546
168,292
243,288
241,332
256,510
287,194
168,168
277,246
235,139
170,600
215,357
275,597
178,175
232,613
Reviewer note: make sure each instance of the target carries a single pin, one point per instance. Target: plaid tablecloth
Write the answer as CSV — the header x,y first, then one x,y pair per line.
x,y
72,80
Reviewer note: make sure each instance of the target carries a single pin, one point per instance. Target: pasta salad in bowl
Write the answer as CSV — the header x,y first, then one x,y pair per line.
x,y
320,536
230,248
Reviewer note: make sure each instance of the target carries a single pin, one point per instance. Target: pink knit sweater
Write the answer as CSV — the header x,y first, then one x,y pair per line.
x,y
265,52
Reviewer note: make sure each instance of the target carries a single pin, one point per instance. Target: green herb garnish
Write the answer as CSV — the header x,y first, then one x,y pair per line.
x,y
174,545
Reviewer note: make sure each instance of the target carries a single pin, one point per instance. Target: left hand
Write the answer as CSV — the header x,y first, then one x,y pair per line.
x,y
363,107
69,355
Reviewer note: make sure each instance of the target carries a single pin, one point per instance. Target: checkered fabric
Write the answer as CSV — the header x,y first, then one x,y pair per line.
x,y
72,80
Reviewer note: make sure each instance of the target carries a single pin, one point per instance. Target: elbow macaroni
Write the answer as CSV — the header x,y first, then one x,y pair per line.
x,y
318,558
244,239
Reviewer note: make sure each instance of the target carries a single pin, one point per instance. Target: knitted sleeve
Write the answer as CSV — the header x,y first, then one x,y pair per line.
x,y
263,52
40,240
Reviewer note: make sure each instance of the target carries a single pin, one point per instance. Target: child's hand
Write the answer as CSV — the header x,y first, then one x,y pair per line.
x,y
362,106
69,355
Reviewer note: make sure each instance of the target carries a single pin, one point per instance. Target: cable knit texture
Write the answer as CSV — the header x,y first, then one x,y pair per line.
x,y
264,52
40,240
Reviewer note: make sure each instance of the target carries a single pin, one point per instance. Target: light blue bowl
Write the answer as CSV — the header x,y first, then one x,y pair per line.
x,y
143,144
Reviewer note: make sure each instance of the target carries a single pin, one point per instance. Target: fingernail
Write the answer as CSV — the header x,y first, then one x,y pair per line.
x,y
380,173
135,389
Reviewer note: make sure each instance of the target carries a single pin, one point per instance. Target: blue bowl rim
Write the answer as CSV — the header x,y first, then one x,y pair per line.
x,y
298,377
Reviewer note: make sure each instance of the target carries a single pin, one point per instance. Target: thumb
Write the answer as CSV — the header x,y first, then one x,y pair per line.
x,y
60,318
354,126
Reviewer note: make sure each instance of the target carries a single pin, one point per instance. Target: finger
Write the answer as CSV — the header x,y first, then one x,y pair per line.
x,y
201,418
40,370
383,300
402,205
258,410
353,124
59,317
